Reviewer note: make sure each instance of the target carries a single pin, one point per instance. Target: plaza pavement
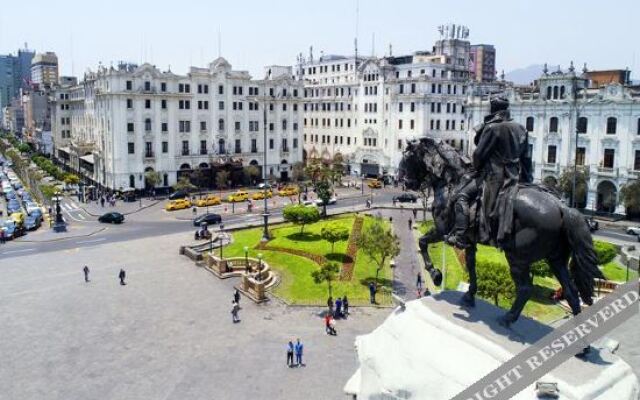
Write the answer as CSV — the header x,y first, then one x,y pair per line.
x,y
166,335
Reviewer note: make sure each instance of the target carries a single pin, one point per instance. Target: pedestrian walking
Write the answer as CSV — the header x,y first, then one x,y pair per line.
x,y
345,306
298,348
235,308
410,223
329,325
102,201
290,354
86,273
195,210
415,213
236,296
2,239
330,304
419,282
338,313
122,275
372,292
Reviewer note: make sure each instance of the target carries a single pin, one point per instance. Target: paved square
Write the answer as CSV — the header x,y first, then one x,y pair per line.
x,y
166,335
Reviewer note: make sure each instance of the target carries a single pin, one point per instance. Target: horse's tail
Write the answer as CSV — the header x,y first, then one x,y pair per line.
x,y
584,262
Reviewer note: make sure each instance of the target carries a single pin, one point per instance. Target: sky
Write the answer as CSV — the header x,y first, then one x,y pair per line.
x,y
252,34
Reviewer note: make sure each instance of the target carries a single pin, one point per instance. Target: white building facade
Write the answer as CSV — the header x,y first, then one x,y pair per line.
x,y
365,109
571,123
120,123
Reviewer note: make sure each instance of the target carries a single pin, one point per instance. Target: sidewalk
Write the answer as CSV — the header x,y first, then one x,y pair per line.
x,y
126,208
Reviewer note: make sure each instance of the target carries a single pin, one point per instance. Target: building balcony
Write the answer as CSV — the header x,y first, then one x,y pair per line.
x,y
185,152
203,152
550,167
149,154
608,171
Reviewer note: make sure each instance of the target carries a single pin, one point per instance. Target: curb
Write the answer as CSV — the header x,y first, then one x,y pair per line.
x,y
62,238
127,213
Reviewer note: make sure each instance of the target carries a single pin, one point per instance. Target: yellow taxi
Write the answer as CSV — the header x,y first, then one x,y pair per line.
x,y
240,195
210,200
288,191
374,184
178,204
17,217
262,194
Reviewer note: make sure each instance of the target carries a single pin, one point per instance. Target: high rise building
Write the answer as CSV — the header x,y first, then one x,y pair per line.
x,y
364,109
15,74
482,62
44,69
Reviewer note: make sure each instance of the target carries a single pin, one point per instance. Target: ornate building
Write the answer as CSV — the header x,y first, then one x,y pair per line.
x,y
574,119
119,123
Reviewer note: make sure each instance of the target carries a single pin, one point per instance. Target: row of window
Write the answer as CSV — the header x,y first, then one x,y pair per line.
x,y
608,160
185,126
202,89
326,122
581,126
325,68
204,105
448,125
203,150
326,139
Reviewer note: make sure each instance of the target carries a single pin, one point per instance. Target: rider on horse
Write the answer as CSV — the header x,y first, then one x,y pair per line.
x,y
500,160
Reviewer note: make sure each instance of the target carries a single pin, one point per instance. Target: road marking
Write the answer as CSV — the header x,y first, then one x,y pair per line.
x,y
91,241
74,205
81,216
67,206
17,251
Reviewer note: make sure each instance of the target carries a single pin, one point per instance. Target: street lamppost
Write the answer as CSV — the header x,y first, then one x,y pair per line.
x,y
362,184
265,233
204,228
221,239
259,266
246,258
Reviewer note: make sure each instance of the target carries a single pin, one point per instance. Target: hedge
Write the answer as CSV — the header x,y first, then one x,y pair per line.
x,y
605,251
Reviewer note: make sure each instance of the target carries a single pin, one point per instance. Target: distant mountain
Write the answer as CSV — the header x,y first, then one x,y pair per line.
x,y
526,75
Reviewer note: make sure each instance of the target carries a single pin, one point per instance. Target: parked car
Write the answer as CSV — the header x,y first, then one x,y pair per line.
x,y
288,191
263,186
262,194
633,230
592,223
10,195
240,195
178,204
406,198
209,218
111,218
374,184
37,212
31,206
17,217
209,200
32,222
179,194
26,196
13,206
332,200
11,230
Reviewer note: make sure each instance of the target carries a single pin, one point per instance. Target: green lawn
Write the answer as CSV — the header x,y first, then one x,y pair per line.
x,y
613,271
296,285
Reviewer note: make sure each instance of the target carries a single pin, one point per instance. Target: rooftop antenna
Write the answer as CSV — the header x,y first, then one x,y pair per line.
x,y
219,43
373,44
390,50
355,41
71,44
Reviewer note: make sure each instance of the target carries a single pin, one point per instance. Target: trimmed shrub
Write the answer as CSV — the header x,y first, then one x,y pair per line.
x,y
605,251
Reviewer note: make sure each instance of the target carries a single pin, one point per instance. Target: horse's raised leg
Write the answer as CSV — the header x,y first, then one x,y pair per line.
x,y
524,289
569,291
432,236
470,260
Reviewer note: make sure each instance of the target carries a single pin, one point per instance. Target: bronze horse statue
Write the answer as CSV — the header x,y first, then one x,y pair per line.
x,y
544,229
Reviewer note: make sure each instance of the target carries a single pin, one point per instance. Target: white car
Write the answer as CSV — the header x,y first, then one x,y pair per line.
x,y
633,230
332,200
30,206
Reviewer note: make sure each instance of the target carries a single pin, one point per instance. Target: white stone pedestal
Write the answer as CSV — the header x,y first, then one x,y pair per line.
x,y
434,349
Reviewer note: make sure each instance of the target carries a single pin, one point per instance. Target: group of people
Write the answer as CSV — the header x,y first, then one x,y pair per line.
x,y
107,198
336,310
295,349
121,275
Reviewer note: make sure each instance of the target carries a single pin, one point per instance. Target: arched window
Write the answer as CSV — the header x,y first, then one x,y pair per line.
x,y
612,123
221,124
553,124
562,92
132,181
147,124
548,92
555,92
582,125
529,124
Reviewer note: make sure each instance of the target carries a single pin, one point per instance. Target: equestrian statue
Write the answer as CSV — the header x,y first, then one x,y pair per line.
x,y
491,200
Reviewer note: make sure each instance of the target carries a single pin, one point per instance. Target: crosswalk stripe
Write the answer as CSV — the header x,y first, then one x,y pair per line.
x,y
67,206
81,217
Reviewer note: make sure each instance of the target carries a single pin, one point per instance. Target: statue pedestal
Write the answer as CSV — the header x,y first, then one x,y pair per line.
x,y
434,349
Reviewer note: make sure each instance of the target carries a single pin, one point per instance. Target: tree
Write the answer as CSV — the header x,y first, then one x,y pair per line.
x,y
300,215
252,172
297,172
323,189
541,268
379,243
222,178
24,148
184,184
337,168
566,185
334,232
152,178
494,281
630,196
71,179
314,170
327,273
